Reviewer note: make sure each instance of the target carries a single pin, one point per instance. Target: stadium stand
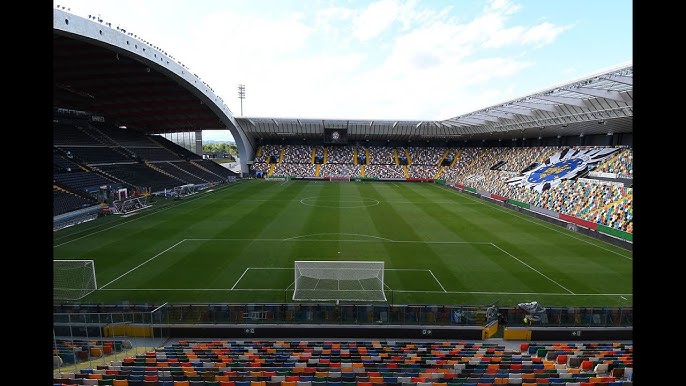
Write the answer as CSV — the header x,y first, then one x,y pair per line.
x,y
359,363
97,165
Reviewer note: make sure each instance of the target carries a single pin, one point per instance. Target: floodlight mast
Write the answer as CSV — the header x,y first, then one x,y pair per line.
x,y
241,95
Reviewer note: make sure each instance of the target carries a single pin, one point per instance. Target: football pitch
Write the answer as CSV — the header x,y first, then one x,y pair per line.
x,y
237,243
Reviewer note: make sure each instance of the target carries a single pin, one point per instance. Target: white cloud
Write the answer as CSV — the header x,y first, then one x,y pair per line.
x,y
375,19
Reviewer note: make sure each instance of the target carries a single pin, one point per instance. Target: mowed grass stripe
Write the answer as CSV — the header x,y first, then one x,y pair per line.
x,y
395,225
432,222
387,229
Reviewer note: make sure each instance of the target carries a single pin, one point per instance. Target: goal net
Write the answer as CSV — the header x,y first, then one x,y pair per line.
x,y
339,280
73,279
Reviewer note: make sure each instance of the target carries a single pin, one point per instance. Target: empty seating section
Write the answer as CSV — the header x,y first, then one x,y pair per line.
x,y
72,351
178,170
364,363
212,168
93,155
141,176
82,180
88,155
153,154
124,137
70,175
72,135
175,147
64,202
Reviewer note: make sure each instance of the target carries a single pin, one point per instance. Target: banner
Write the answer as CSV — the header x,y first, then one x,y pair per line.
x,y
567,164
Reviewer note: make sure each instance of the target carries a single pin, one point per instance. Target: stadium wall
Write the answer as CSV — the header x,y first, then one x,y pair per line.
x,y
567,333
321,331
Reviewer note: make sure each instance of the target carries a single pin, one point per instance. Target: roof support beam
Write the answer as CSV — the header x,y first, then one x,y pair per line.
x,y
620,79
564,100
487,117
538,106
499,114
470,120
608,94
516,111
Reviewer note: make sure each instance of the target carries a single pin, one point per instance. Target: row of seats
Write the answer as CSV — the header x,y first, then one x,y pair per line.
x,y
374,363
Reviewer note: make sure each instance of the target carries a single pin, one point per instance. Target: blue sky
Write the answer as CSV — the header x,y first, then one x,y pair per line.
x,y
386,59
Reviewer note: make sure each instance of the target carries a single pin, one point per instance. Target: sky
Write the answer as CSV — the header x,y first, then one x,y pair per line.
x,y
381,60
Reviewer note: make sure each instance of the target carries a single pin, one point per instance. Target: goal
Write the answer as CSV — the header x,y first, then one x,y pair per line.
x,y
339,280
73,279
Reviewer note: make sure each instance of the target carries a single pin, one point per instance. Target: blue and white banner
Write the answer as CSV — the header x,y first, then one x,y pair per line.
x,y
567,164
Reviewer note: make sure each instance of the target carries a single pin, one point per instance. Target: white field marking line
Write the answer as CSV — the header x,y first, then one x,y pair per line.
x,y
437,281
153,311
270,267
293,283
404,291
509,293
347,234
239,279
350,200
192,289
139,265
295,238
421,202
396,184
534,269
539,223
173,205
385,269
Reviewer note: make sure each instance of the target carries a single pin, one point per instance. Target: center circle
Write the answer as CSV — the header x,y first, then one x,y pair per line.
x,y
361,202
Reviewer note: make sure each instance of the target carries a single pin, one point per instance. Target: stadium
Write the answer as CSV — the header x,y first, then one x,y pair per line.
x,y
493,247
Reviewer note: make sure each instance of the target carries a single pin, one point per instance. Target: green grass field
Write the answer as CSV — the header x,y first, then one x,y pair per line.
x,y
237,243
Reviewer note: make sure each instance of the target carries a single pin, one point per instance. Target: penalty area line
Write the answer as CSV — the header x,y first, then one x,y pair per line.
x,y
190,289
437,281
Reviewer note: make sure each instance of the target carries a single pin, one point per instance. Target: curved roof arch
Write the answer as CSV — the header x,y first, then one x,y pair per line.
x,y
108,71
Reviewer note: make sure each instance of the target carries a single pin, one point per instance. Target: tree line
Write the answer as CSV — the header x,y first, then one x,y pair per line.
x,y
220,150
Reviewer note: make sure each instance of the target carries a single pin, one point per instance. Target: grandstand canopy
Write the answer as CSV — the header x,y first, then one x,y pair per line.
x,y
131,91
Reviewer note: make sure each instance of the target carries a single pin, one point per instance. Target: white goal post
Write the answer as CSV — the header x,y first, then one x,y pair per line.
x,y
73,279
339,280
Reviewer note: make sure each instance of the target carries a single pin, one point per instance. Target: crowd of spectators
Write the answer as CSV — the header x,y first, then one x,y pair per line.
x,y
380,155
426,155
339,155
384,171
268,151
297,154
621,165
483,168
340,170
